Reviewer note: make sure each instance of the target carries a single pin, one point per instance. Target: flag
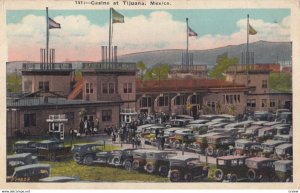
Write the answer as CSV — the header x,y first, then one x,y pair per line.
x,y
52,24
117,17
191,32
252,31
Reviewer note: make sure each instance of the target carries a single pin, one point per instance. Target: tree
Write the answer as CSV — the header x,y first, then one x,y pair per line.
x,y
142,67
14,83
223,63
161,71
281,82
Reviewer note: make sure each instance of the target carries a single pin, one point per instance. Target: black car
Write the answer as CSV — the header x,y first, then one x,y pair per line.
x,y
25,147
17,160
29,173
86,153
186,168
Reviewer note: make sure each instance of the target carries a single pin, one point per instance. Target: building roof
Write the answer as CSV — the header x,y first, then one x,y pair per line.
x,y
184,84
49,101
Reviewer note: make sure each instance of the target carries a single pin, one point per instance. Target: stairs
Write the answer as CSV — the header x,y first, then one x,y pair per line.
x,y
77,89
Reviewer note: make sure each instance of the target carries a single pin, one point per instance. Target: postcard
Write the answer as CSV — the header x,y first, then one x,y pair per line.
x,y
150,94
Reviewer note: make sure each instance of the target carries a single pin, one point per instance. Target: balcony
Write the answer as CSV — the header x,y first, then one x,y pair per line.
x,y
47,67
112,67
128,111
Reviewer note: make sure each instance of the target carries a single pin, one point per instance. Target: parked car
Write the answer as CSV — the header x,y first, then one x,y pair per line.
x,y
231,168
262,116
247,147
86,153
178,123
59,179
52,150
261,169
285,138
30,173
122,158
284,151
251,132
201,142
218,144
21,159
139,159
158,162
284,170
266,133
268,147
198,128
186,168
182,136
25,147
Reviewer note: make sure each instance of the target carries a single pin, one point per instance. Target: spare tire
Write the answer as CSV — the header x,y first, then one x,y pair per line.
x,y
135,164
127,165
175,176
150,168
210,150
251,174
233,178
163,170
115,160
76,158
219,175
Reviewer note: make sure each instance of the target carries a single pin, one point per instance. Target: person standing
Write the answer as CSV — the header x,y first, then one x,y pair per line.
x,y
163,140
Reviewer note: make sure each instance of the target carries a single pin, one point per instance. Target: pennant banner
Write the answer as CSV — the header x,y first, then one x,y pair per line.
x,y
191,32
252,31
117,17
52,24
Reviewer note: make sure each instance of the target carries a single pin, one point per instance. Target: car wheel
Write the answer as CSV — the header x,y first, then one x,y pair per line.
x,y
150,168
265,178
88,160
233,178
116,160
135,164
52,157
76,158
219,174
210,150
163,170
175,176
127,165
251,175
188,177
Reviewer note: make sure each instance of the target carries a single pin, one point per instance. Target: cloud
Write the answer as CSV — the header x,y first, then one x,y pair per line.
x,y
79,39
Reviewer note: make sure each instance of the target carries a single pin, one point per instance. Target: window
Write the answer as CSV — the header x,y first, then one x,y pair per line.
x,y
180,100
127,87
251,103
104,88
106,115
163,101
28,86
29,119
111,88
272,103
264,103
89,88
44,86
145,102
231,99
264,84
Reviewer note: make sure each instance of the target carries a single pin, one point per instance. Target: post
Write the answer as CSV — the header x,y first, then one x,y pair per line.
x,y
187,40
47,36
206,157
247,50
109,40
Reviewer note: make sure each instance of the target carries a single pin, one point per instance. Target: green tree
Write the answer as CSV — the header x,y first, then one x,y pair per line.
x,y
14,83
281,82
161,71
142,67
223,63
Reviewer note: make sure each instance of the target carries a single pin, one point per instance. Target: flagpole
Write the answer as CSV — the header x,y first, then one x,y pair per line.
x,y
47,38
247,51
187,41
109,41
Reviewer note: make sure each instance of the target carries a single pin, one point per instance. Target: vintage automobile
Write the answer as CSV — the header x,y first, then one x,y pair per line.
x,y
158,162
262,116
268,147
177,123
139,159
52,150
266,133
60,179
169,135
182,136
201,143
282,129
285,117
186,168
285,138
149,133
243,124
261,169
247,147
284,170
284,151
218,144
251,132
198,121
21,159
30,173
141,128
86,153
232,132
231,168
198,128
25,147
116,158
261,123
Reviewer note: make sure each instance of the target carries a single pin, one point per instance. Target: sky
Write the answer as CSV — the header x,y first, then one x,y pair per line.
x,y
83,32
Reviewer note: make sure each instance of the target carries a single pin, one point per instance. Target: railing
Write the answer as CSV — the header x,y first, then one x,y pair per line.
x,y
46,67
57,117
104,66
190,67
128,111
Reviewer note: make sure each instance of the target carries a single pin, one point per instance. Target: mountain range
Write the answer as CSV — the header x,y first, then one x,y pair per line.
x,y
264,52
